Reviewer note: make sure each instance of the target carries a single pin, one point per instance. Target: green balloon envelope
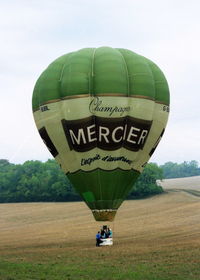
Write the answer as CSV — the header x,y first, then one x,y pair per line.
x,y
101,112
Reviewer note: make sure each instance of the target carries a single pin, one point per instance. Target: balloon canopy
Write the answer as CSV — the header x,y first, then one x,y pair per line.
x,y
101,112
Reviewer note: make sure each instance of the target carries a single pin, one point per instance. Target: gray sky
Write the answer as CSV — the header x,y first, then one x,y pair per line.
x,y
34,33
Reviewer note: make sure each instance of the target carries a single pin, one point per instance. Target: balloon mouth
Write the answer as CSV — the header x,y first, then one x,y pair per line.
x,y
104,214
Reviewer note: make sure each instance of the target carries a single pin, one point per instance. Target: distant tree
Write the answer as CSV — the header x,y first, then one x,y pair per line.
x,y
4,163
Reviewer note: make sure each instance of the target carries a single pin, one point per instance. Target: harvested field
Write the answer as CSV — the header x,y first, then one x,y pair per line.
x,y
192,183
155,238
188,184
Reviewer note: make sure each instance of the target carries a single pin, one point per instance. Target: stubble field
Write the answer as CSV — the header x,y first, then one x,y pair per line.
x,y
156,238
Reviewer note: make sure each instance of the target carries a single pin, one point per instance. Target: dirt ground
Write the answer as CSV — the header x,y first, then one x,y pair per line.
x,y
165,223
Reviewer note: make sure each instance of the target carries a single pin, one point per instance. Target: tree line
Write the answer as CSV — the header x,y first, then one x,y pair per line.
x,y
35,181
185,169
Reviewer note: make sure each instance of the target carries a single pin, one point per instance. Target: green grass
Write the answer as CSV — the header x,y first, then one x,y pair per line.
x,y
55,271
156,266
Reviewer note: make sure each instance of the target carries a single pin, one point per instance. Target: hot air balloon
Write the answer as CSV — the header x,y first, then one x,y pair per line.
x,y
101,113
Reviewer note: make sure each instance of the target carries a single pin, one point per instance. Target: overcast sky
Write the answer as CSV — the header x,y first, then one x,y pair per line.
x,y
34,33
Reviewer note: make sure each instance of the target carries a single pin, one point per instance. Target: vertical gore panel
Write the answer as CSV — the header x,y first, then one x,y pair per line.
x,y
161,85
76,74
110,73
48,85
141,81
